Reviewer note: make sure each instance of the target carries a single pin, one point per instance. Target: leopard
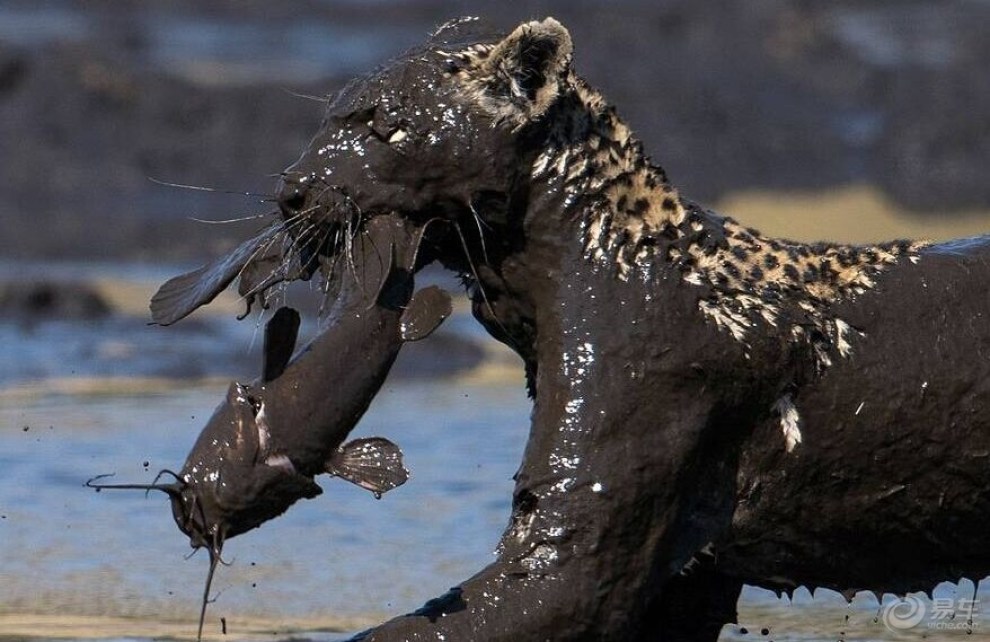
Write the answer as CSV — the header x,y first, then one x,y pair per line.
x,y
712,406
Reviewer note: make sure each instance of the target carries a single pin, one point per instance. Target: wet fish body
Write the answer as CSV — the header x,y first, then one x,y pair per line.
x,y
266,442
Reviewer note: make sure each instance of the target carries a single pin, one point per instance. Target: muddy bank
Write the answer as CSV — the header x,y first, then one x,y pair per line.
x,y
773,95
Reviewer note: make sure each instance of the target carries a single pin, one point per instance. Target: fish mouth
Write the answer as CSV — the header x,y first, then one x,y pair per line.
x,y
203,517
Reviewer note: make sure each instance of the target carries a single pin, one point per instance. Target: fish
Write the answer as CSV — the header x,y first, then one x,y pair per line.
x,y
269,439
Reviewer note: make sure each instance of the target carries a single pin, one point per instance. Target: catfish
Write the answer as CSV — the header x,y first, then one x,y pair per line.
x,y
267,441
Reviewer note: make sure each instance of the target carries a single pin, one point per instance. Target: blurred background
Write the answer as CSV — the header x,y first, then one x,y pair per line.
x,y
889,97
849,120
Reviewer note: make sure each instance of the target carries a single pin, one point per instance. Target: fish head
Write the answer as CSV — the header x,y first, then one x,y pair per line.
x,y
231,481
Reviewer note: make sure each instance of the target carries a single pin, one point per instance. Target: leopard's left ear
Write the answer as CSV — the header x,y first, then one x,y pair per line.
x,y
521,76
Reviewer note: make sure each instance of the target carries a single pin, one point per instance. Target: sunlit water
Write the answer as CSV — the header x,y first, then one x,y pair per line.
x,y
342,557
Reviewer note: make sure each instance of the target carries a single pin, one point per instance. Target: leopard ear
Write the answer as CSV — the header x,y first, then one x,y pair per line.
x,y
521,76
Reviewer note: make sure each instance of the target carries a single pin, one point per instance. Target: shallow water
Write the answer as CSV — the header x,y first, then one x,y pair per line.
x,y
113,395
69,549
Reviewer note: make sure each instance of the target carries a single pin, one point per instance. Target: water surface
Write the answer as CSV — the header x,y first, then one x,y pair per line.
x,y
342,555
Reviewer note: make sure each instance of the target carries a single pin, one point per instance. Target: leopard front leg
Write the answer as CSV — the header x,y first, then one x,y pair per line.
x,y
612,499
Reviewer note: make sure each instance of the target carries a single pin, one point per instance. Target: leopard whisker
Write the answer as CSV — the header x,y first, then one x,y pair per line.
x,y
265,198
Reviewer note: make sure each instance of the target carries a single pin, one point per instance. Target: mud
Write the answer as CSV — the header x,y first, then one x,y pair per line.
x,y
654,464
650,432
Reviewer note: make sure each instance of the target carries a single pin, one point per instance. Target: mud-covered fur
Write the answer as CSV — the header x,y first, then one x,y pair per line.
x,y
790,409
633,217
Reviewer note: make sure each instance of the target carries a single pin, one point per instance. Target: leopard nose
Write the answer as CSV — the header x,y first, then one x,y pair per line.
x,y
291,194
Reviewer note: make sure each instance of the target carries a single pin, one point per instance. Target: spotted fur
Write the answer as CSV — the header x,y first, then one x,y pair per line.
x,y
500,163
487,71
634,219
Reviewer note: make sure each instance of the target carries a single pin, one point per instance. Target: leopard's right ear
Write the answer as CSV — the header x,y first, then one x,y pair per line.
x,y
518,78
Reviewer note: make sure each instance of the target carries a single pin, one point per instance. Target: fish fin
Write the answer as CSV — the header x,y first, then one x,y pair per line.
x,y
181,295
281,333
282,462
386,270
373,463
275,263
426,311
